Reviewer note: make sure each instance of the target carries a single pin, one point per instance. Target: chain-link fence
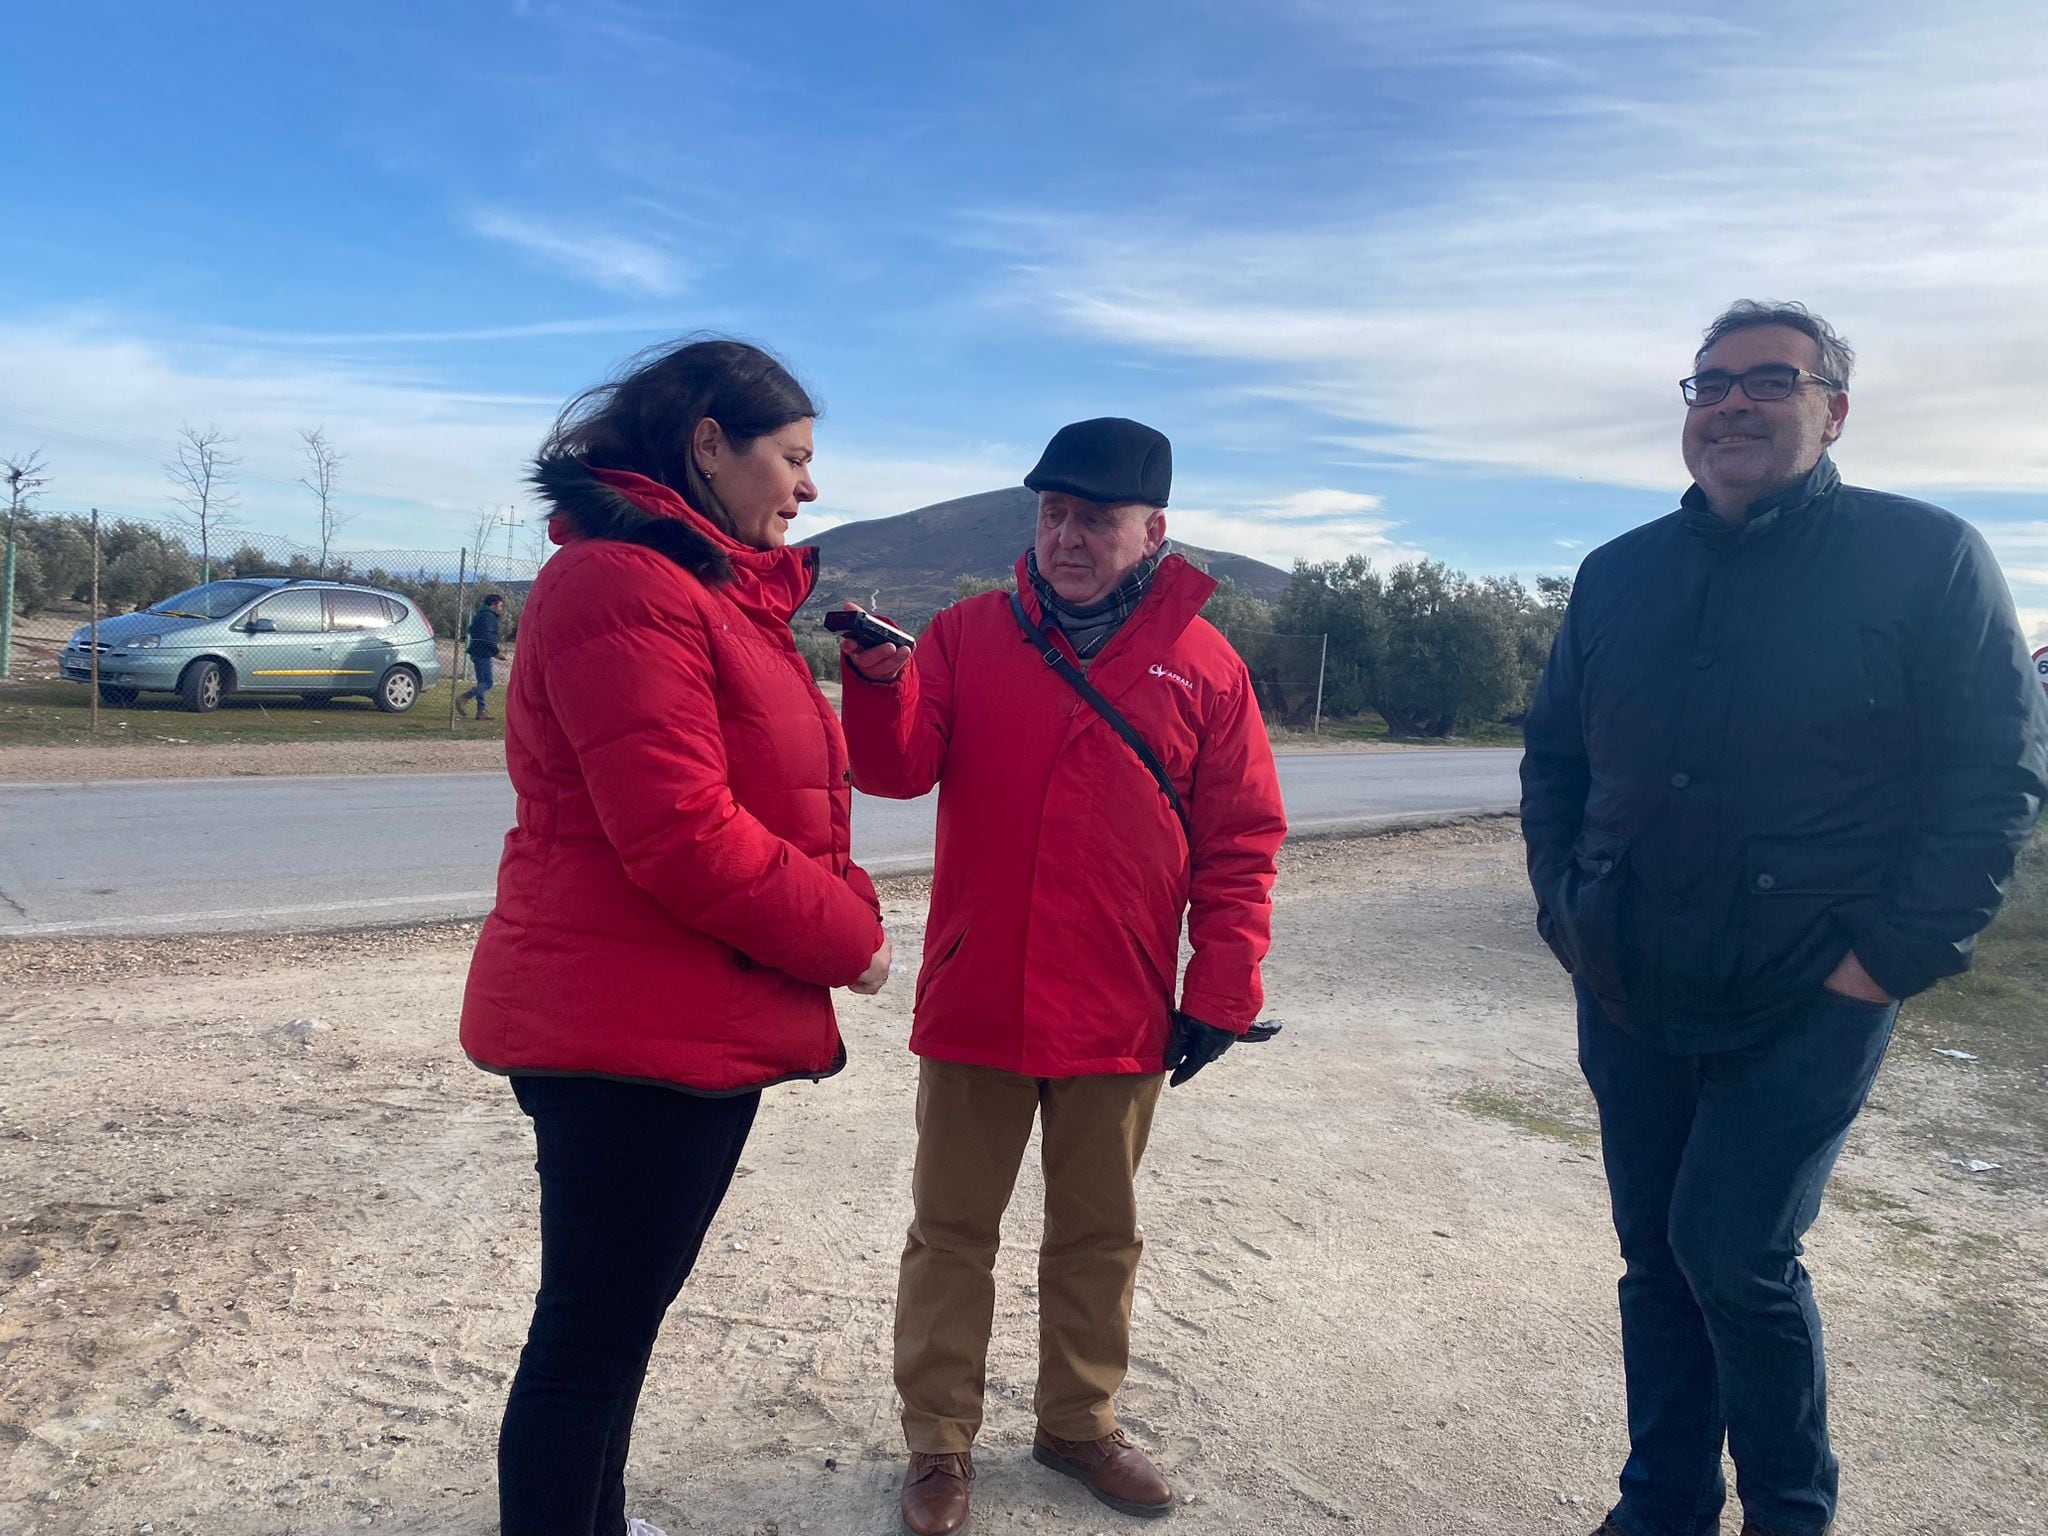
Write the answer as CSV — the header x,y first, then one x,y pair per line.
x,y
1287,674
64,570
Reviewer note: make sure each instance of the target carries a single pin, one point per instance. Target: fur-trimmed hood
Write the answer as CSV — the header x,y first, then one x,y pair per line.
x,y
626,508
594,504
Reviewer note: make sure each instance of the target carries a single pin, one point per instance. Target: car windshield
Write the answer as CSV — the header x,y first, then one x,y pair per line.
x,y
215,600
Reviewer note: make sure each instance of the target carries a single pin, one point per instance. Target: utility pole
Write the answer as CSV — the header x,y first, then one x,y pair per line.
x,y
511,521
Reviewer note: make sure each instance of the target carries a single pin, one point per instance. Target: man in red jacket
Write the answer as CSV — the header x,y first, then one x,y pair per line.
x,y
1065,866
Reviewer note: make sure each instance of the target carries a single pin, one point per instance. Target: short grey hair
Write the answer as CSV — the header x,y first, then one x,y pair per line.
x,y
1837,358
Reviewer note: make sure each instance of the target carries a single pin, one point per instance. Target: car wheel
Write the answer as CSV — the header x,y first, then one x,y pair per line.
x,y
203,686
117,696
399,691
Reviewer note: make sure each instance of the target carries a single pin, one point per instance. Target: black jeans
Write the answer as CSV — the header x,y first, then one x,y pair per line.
x,y
631,1177
1715,1165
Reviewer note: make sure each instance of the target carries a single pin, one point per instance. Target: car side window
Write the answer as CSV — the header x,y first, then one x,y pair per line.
x,y
355,611
394,610
294,613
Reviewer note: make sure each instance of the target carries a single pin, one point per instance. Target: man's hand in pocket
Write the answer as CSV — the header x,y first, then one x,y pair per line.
x,y
1851,980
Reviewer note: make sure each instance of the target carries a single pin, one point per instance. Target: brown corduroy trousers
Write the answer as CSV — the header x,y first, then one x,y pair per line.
x,y
972,1127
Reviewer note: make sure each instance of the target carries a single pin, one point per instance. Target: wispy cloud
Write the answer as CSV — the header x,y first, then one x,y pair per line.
x,y
2022,550
1534,316
853,487
107,404
616,262
1319,523
602,325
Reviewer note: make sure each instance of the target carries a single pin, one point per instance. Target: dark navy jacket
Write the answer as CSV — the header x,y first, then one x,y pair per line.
x,y
1756,748
483,632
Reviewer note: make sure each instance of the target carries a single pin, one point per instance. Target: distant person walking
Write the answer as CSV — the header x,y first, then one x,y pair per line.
x,y
677,896
1787,748
485,628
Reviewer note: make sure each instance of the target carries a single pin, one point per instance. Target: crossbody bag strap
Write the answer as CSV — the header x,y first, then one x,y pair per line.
x,y
1055,658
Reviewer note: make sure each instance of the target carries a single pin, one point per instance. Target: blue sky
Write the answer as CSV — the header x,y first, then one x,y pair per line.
x,y
1397,278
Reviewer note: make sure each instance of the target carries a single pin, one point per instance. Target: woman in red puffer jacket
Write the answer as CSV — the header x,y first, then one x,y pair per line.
x,y
677,898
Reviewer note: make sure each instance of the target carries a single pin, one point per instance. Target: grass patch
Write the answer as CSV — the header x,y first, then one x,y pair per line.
x,y
1523,1114
1862,1199
1978,1245
1372,730
1993,1347
1999,1011
49,713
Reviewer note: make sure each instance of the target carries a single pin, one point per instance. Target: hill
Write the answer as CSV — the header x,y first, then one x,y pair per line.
x,y
908,565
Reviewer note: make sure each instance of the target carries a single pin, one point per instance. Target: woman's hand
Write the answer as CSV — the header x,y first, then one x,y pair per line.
x,y
877,973
876,663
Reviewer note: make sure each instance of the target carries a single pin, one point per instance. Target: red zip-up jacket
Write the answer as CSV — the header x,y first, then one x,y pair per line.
x,y
1063,875
678,896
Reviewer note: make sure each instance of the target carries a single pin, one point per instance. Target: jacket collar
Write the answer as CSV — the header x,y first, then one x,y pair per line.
x,y
1764,515
592,503
1179,589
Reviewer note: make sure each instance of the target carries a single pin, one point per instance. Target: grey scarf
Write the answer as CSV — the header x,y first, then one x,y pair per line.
x,y
1090,628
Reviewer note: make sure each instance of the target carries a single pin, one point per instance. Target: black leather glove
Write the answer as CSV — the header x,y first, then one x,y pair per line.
x,y
1191,1045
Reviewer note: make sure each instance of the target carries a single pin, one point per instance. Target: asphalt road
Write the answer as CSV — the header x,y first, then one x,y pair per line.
x,y
229,855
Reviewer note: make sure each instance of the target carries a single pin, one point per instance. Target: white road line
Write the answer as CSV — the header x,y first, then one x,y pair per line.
x,y
463,900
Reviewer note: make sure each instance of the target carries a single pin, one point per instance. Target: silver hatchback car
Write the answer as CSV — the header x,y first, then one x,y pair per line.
x,y
264,634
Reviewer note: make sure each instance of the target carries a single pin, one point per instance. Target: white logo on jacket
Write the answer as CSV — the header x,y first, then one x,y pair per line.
x,y
1160,671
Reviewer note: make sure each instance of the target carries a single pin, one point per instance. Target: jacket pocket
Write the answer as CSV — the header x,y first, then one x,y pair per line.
x,y
1586,912
936,960
1798,897
1887,696
1160,956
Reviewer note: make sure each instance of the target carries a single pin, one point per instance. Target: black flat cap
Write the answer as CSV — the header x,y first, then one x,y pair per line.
x,y
1108,459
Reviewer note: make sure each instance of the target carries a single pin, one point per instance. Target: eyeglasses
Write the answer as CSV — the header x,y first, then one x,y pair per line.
x,y
1773,381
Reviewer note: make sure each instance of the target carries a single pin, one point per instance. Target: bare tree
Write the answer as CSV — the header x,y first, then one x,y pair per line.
x,y
486,524
323,468
25,477
202,480
538,543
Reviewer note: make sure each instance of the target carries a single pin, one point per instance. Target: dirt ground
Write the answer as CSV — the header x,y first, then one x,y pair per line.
x,y
263,1276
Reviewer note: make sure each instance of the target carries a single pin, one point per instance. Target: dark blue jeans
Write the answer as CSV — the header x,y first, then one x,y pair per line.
x,y
486,679
1715,1165
631,1176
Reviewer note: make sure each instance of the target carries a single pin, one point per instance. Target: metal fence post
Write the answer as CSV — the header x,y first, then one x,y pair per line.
x,y
95,620
1321,667
7,609
461,599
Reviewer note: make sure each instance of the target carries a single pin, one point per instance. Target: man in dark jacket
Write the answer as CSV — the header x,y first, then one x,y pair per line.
x,y
1786,750
484,630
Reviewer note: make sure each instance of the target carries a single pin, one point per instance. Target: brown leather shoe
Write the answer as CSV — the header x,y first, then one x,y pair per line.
x,y
1116,1472
935,1493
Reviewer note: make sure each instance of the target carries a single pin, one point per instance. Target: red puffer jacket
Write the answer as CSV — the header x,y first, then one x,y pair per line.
x,y
677,897
1063,875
